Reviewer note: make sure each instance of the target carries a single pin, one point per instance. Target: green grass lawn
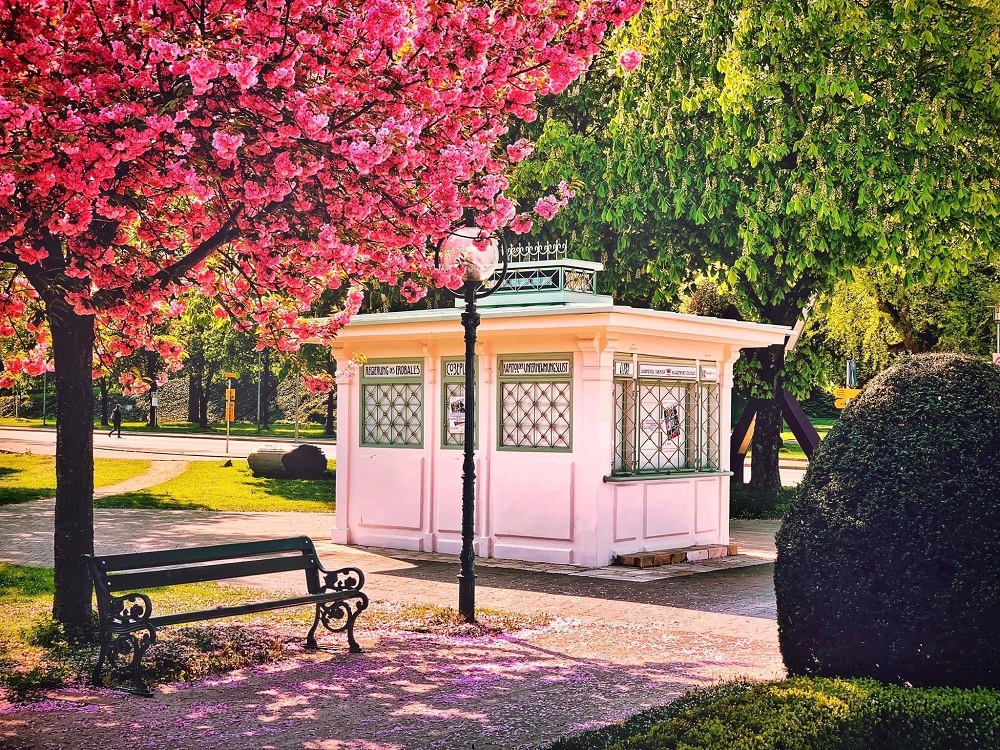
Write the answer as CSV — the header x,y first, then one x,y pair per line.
x,y
792,449
208,485
27,476
307,430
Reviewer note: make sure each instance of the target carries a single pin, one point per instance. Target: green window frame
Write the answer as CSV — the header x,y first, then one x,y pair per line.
x,y
667,416
453,386
535,402
392,403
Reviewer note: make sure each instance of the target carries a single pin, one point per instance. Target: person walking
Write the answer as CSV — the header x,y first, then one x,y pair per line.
x,y
116,420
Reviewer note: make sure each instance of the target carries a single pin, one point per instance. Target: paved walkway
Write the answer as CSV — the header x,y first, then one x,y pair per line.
x,y
616,647
159,472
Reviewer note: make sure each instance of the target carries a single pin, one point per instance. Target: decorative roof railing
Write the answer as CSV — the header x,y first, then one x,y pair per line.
x,y
543,272
538,252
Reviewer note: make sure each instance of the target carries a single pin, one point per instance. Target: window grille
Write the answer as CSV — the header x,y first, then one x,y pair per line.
x,y
392,404
536,409
665,422
453,408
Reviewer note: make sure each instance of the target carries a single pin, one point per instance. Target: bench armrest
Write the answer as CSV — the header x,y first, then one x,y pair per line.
x,y
127,611
342,579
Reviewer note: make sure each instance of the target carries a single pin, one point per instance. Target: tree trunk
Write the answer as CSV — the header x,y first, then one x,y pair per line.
x,y
103,382
73,347
265,391
194,397
151,362
203,406
330,428
206,393
764,473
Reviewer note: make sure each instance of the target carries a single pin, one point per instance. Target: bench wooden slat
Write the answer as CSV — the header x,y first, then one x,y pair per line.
x,y
242,609
191,555
145,579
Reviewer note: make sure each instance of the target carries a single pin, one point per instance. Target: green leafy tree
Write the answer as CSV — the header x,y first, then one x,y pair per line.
x,y
214,346
782,144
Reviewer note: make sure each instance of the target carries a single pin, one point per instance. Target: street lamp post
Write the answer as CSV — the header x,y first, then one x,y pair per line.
x,y
478,260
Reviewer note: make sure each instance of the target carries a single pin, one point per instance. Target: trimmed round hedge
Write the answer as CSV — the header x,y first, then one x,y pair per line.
x,y
889,556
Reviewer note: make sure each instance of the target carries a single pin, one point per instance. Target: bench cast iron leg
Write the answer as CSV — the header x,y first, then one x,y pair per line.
x,y
142,640
332,614
97,679
352,615
134,644
311,636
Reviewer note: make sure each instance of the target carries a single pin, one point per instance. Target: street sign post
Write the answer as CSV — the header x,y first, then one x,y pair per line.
x,y
230,403
844,396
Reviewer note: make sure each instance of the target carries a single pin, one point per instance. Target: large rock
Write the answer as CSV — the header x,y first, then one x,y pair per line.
x,y
889,557
305,462
267,461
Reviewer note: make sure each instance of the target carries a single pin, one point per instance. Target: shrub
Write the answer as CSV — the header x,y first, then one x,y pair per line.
x,y
745,502
887,557
810,714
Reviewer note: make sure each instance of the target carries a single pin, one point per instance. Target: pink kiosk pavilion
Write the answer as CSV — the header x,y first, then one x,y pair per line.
x,y
602,429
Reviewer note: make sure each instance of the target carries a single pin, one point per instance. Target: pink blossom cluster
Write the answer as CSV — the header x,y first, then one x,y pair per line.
x,y
630,59
261,152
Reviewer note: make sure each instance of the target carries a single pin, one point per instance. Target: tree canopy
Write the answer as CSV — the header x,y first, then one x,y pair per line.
x,y
781,144
259,153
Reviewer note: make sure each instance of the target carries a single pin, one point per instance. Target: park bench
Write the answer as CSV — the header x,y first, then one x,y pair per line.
x,y
128,627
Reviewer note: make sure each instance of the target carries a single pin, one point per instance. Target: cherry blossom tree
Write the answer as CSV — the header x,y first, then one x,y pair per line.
x,y
257,152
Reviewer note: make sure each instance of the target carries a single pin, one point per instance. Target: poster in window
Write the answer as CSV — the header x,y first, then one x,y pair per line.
x,y
672,422
668,424
456,415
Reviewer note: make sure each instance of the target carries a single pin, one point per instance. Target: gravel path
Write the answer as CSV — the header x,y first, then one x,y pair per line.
x,y
410,691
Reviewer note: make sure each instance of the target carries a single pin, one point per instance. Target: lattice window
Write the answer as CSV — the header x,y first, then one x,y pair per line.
x,y
624,427
453,392
536,404
579,281
664,424
453,408
531,280
392,404
535,415
709,426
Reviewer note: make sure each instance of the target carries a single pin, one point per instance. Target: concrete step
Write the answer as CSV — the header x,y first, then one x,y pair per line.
x,y
674,556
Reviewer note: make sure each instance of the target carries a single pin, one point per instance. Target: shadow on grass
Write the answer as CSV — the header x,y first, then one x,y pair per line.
x,y
12,495
316,490
146,500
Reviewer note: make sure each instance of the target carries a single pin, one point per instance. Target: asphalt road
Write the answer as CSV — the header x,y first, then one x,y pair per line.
x,y
132,445
200,447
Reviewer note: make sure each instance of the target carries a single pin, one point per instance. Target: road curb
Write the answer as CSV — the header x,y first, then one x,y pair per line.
x,y
205,435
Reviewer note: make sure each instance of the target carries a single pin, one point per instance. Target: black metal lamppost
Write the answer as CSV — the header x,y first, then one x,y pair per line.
x,y
478,259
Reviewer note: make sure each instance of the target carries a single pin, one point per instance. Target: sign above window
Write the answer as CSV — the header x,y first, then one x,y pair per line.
x,y
625,368
535,367
672,372
393,370
454,369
